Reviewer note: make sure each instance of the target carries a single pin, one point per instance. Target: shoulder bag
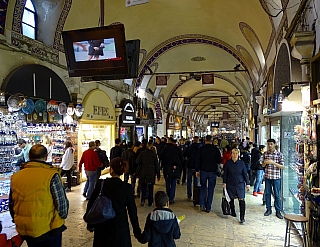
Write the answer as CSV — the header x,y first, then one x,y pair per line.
x,y
101,209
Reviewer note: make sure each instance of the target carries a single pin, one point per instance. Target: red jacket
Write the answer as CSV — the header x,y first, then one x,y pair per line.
x,y
16,240
226,156
90,160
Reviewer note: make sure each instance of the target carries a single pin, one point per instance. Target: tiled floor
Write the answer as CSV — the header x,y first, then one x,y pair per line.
x,y
198,229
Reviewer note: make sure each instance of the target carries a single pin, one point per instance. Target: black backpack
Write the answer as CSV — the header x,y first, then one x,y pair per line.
x,y
102,154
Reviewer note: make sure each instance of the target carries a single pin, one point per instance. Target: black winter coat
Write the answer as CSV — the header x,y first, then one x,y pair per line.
x,y
171,156
236,178
161,228
149,167
191,155
208,158
129,156
115,232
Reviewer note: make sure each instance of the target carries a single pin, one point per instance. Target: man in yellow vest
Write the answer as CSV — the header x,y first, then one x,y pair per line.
x,y
38,203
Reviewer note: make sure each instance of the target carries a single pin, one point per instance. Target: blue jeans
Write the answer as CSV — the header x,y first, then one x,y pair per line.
x,y
276,185
191,174
53,241
91,181
207,182
259,177
171,184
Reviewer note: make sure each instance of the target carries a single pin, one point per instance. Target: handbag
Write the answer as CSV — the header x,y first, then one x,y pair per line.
x,y
101,209
225,206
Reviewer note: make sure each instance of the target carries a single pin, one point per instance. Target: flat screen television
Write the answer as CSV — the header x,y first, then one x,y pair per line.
x,y
96,51
133,52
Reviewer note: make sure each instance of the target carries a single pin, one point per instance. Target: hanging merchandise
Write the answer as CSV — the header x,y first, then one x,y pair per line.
x,y
28,109
62,109
79,110
13,103
70,109
40,106
52,107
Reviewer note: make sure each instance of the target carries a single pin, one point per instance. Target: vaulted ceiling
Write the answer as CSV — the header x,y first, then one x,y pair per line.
x,y
195,36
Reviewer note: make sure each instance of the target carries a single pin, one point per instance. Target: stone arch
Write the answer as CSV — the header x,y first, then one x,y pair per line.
x,y
185,40
282,70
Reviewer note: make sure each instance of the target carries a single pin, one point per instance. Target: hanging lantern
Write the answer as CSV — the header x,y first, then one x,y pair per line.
x,y
79,110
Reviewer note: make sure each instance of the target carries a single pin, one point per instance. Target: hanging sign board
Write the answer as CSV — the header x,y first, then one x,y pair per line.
x,y
128,114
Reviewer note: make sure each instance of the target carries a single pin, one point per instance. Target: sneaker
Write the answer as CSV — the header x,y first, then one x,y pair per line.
x,y
242,221
84,194
268,212
255,194
279,215
234,214
202,208
260,193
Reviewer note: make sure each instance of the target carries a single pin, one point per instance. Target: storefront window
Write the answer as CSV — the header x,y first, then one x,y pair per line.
x,y
125,134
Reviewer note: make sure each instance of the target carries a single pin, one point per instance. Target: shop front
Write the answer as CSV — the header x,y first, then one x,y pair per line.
x,y
127,121
174,126
97,123
40,111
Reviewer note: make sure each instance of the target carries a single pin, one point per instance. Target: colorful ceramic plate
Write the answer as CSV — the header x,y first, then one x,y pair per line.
x,y
29,107
62,109
52,107
40,106
13,102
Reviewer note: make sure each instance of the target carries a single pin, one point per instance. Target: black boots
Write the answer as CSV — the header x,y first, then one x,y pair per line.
x,y
242,205
233,211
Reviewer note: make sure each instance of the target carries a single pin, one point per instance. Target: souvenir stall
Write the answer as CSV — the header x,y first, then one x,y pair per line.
x,y
97,123
36,122
28,111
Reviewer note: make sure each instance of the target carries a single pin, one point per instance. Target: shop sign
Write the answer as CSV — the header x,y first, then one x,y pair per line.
x,y
170,121
146,122
100,110
95,110
128,114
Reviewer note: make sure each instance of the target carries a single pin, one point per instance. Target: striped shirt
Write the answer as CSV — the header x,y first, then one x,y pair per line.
x,y
271,171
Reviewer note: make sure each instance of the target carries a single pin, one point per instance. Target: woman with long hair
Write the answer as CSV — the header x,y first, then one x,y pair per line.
x,y
115,232
67,163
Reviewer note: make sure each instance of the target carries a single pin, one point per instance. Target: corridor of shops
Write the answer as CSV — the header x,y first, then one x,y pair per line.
x,y
199,229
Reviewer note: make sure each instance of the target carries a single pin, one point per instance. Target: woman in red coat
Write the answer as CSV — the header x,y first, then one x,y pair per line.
x,y
226,155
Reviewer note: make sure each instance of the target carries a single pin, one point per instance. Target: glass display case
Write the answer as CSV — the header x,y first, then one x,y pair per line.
x,y
292,147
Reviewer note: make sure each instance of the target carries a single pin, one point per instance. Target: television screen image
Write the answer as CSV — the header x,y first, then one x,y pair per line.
x,y
101,49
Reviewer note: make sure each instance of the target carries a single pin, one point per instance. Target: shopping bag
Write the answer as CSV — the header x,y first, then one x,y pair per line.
x,y
225,206
101,209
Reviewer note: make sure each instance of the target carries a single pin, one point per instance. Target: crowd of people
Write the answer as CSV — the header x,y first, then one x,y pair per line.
x,y
200,161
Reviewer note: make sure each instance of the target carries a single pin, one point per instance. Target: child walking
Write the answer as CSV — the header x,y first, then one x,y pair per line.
x,y
162,225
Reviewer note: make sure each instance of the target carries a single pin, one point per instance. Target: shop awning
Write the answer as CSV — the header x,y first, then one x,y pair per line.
x,y
36,81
